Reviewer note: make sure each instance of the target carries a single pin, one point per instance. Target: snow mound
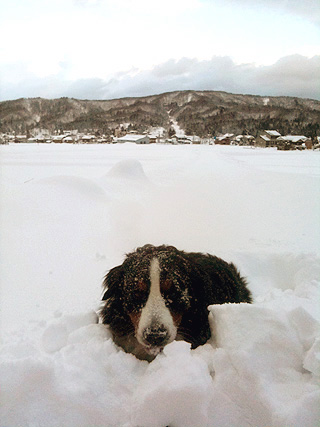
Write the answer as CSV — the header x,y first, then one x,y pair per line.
x,y
261,368
177,376
57,334
128,170
72,185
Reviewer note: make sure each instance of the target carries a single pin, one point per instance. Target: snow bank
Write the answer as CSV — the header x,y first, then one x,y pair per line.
x,y
69,213
262,368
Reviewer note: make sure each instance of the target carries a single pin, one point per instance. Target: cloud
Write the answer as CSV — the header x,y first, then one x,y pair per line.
x,y
307,9
294,75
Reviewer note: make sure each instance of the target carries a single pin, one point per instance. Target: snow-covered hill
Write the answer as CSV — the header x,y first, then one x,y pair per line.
x,y
196,112
69,213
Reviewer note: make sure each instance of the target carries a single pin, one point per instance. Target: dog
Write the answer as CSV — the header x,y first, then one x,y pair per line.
x,y
160,294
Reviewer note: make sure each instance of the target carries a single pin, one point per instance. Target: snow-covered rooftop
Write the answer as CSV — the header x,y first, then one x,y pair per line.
x,y
131,137
265,138
293,138
273,133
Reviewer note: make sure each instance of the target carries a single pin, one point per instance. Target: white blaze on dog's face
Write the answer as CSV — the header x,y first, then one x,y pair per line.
x,y
156,326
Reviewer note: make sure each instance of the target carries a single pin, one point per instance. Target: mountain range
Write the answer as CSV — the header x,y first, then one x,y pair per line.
x,y
199,113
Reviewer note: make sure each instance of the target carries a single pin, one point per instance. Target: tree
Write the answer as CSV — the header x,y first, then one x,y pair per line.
x,y
171,132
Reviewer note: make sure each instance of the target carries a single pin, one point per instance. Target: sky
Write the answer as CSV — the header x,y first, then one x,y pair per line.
x,y
105,49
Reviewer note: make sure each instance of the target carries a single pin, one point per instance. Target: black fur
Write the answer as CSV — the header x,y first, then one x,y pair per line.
x,y
198,280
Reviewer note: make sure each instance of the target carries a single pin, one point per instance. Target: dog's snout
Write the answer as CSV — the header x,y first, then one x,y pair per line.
x,y
156,336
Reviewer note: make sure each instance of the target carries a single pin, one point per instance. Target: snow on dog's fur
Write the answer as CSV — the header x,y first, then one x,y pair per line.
x,y
160,294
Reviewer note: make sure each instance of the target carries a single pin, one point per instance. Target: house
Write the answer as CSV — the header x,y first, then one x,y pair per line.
x,y
104,139
267,138
195,139
172,141
293,142
224,139
59,138
273,134
244,140
153,139
20,138
184,140
68,139
295,139
88,139
40,138
263,141
137,139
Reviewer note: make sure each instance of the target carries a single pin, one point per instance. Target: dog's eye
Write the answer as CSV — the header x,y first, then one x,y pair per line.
x,y
177,299
166,285
135,298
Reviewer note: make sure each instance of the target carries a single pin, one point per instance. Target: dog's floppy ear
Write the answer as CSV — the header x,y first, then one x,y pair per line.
x,y
195,321
112,311
112,282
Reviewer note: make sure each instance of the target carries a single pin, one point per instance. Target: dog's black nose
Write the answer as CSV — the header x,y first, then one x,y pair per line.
x,y
155,336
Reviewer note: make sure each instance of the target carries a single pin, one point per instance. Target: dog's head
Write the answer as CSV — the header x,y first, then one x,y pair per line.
x,y
148,295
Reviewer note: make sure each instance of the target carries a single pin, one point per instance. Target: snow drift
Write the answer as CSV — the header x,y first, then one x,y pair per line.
x,y
69,213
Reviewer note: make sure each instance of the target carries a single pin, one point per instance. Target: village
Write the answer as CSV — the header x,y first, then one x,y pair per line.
x,y
265,139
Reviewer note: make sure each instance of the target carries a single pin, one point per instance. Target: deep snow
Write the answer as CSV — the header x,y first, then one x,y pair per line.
x,y
69,213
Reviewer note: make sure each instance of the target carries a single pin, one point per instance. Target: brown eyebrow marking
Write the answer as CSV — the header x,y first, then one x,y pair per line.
x,y
176,318
135,317
142,285
166,285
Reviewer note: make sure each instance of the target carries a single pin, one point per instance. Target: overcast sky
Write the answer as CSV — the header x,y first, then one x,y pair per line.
x,y
103,49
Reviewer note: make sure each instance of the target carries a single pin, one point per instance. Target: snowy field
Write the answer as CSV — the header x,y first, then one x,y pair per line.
x,y
69,213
